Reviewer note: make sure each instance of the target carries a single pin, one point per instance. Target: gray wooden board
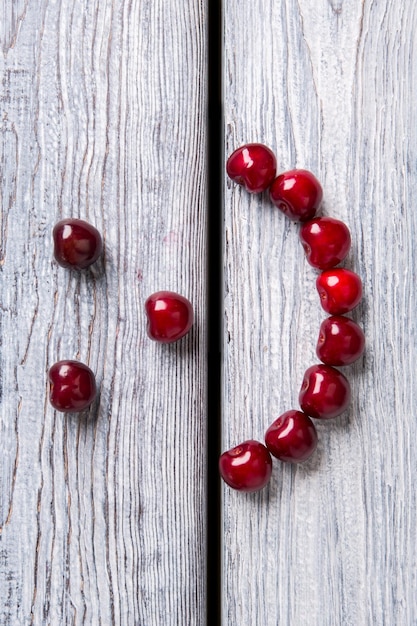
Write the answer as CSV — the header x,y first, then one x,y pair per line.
x,y
102,116
329,86
102,113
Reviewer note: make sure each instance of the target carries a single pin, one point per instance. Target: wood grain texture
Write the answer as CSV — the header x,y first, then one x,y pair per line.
x,y
102,116
330,86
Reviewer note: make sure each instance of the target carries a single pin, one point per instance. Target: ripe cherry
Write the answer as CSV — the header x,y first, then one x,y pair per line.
x,y
72,386
340,290
292,437
325,392
247,467
253,166
170,316
77,244
297,193
341,341
326,241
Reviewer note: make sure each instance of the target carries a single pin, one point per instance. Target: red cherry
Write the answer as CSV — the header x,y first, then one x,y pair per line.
x,y
341,341
72,386
247,467
170,316
325,392
253,166
292,437
297,193
340,290
326,241
77,244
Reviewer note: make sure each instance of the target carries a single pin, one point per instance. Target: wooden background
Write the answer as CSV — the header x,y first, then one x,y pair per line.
x,y
103,116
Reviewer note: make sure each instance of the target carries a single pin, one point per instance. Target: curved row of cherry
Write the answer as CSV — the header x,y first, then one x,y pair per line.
x,y
325,391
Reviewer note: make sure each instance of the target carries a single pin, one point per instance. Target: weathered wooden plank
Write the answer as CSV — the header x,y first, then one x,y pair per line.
x,y
330,87
102,116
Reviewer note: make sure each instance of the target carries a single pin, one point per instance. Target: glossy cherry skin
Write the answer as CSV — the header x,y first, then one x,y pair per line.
x,y
341,341
297,193
325,392
253,166
170,316
326,241
340,290
292,437
72,386
247,467
77,244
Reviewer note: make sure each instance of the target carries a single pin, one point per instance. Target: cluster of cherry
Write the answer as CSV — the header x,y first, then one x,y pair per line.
x,y
325,391
77,245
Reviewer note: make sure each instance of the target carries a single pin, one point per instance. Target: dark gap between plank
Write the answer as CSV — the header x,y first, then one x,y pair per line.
x,y
215,283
